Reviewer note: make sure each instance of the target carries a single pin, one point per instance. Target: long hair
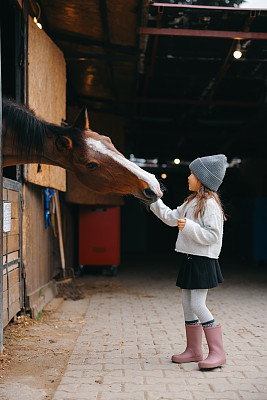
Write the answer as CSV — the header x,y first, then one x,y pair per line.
x,y
202,195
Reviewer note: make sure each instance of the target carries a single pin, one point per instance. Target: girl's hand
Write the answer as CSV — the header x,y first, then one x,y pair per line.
x,y
181,223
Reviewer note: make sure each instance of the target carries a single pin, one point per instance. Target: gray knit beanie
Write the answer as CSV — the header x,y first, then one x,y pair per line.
x,y
210,170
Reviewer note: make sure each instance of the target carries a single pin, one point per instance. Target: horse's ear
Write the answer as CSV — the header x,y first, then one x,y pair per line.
x,y
82,121
63,143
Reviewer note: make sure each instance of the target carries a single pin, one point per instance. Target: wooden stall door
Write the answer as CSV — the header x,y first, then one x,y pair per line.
x,y
12,249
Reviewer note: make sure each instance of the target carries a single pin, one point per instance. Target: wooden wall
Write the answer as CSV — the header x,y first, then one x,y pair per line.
x,y
46,93
46,96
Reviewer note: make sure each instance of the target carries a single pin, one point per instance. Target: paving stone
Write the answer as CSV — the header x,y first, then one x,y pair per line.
x,y
135,324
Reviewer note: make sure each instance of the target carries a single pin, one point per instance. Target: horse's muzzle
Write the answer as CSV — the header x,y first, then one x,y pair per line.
x,y
150,195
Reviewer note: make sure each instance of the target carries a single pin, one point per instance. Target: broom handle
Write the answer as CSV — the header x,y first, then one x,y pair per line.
x,y
61,246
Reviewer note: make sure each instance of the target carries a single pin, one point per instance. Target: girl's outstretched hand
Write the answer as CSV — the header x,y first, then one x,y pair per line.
x,y
181,223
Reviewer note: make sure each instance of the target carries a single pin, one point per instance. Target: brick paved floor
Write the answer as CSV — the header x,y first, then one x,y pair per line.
x,y
134,323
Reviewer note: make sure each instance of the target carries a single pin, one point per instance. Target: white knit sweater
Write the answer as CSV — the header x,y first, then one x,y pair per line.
x,y
201,236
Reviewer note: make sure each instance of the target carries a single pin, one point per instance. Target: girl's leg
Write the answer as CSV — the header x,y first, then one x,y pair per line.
x,y
189,316
212,331
198,306
193,329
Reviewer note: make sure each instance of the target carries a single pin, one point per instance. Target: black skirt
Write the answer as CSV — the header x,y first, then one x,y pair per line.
x,y
199,272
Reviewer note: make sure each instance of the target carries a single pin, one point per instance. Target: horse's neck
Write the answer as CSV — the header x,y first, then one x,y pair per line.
x,y
13,156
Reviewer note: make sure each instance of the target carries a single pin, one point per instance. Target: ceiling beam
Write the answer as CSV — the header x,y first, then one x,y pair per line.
x,y
226,103
94,56
215,8
60,36
203,33
157,100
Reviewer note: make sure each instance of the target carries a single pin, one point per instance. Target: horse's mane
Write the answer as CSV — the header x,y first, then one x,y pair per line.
x,y
29,132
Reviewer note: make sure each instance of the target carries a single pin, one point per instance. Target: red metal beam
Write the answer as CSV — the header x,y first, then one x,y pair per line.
x,y
205,7
203,33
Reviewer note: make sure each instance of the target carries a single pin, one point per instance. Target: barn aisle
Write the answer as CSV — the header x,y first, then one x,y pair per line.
x,y
134,323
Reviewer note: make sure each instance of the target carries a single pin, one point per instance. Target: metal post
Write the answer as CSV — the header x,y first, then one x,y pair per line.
x,y
1,214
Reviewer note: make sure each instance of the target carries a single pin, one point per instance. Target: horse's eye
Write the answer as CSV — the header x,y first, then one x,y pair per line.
x,y
92,165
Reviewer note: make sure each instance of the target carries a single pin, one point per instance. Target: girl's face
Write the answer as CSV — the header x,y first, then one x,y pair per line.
x,y
194,183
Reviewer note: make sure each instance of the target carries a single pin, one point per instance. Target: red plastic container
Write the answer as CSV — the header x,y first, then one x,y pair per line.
x,y
99,236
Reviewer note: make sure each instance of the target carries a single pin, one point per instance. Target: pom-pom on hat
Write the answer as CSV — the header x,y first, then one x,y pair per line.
x,y
210,170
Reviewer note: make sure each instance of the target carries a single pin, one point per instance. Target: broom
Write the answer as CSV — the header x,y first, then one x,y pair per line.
x,y
65,285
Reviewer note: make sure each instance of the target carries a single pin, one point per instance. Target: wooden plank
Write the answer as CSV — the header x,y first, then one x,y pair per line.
x,y
13,278
13,244
13,310
4,194
11,268
13,195
14,210
57,178
10,257
14,228
40,178
47,96
49,176
14,293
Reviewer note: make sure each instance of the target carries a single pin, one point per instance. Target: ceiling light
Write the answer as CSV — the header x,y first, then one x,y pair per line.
x,y
164,176
237,53
36,19
177,161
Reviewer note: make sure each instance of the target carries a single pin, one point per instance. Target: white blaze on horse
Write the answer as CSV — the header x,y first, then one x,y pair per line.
x,y
92,157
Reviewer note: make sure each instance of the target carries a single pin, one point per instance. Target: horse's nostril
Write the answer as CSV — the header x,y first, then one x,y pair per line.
x,y
150,194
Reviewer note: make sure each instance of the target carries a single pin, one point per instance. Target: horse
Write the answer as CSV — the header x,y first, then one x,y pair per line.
x,y
91,156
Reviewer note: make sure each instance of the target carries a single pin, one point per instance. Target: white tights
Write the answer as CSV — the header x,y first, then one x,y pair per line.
x,y
194,305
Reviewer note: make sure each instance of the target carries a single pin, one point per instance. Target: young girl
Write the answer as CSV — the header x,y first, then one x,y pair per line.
x,y
200,223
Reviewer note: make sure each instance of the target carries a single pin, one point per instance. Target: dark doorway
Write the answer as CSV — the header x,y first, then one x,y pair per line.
x,y
12,48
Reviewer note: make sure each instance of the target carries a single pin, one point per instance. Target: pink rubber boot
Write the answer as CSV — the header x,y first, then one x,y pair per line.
x,y
193,351
216,355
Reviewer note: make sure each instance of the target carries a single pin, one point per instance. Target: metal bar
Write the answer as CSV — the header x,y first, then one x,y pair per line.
x,y
21,283
203,33
215,59
215,8
10,263
1,214
7,276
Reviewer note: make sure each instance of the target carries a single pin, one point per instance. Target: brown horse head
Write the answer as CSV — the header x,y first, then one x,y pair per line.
x,y
101,167
92,157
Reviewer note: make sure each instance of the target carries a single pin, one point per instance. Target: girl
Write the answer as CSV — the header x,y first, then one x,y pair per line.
x,y
200,223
